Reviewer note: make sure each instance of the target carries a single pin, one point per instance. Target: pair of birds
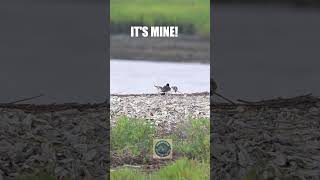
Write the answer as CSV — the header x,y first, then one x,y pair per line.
x,y
166,88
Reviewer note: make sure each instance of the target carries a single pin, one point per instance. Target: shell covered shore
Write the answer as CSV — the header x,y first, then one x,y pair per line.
x,y
163,110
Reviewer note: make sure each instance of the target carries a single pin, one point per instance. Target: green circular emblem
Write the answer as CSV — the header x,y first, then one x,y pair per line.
x,y
162,148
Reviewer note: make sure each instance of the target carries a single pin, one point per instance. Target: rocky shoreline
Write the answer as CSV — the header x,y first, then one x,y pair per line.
x,y
275,138
163,110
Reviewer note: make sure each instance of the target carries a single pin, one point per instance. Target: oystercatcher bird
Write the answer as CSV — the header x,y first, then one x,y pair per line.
x,y
163,89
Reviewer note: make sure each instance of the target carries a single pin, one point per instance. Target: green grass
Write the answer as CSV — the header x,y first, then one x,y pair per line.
x,y
183,169
191,143
194,14
132,135
193,139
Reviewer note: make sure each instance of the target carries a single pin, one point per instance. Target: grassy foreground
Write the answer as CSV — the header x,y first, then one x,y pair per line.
x,y
180,170
193,16
135,136
191,146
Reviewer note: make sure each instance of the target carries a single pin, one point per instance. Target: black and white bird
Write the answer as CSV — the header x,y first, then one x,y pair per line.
x,y
163,89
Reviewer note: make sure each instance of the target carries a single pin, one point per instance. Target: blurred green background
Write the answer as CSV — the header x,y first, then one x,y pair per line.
x,y
192,16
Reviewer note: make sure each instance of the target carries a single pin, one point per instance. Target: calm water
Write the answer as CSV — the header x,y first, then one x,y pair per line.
x,y
141,76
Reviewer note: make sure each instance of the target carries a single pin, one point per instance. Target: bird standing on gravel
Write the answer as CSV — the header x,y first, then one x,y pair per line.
x,y
175,89
164,89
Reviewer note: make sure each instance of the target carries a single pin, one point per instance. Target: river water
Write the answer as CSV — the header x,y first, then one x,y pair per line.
x,y
139,77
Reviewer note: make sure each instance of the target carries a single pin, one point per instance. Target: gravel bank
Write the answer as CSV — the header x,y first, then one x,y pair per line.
x,y
164,111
